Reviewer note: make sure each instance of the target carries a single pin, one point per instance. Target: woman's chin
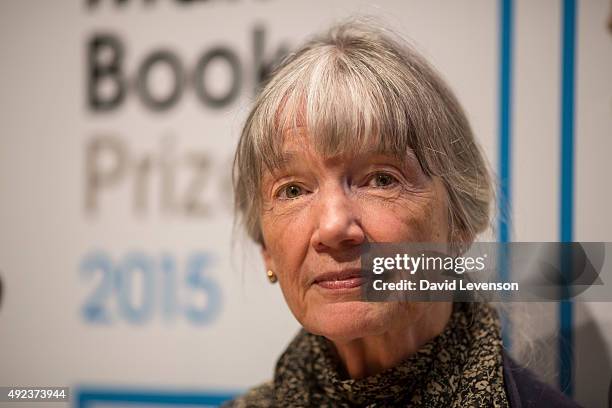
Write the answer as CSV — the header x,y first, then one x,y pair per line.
x,y
345,321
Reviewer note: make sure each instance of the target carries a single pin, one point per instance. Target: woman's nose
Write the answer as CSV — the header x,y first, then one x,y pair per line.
x,y
338,224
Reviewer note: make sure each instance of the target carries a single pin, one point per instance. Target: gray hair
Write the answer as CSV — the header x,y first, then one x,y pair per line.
x,y
355,86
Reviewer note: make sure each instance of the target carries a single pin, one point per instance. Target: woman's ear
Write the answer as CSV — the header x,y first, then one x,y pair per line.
x,y
267,257
464,241
460,241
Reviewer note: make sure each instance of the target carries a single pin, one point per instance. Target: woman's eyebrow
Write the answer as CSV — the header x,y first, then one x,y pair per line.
x,y
284,159
408,156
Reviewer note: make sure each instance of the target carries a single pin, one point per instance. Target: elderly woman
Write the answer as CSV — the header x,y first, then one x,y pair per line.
x,y
356,139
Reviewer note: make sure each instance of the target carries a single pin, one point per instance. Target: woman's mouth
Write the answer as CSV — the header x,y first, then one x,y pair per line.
x,y
347,279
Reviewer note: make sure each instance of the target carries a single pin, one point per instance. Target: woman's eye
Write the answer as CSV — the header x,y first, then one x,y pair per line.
x,y
290,191
382,180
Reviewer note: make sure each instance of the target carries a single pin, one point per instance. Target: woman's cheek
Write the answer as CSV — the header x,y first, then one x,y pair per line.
x,y
289,234
403,219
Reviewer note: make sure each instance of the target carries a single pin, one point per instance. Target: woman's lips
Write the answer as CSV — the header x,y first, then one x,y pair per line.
x,y
340,280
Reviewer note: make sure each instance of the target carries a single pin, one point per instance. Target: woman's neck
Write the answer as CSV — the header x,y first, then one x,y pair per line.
x,y
369,355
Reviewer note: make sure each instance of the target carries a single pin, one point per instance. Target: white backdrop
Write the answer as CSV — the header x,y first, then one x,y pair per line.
x,y
116,225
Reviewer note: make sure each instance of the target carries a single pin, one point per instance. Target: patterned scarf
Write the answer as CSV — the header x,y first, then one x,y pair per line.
x,y
462,367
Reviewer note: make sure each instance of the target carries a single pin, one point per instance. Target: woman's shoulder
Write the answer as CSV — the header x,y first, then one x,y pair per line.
x,y
525,390
259,396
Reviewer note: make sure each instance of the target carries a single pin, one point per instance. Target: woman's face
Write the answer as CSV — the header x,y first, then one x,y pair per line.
x,y
317,215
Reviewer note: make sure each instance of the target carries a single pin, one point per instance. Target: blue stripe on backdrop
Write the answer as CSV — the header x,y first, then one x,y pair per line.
x,y
505,118
566,228
91,397
505,145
